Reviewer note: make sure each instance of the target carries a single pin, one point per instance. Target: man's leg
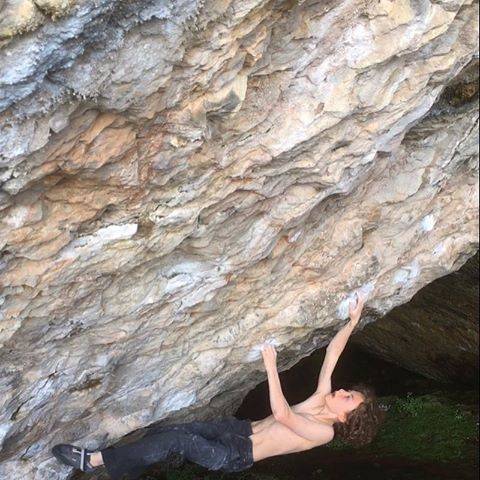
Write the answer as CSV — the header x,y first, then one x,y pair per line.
x,y
157,447
209,430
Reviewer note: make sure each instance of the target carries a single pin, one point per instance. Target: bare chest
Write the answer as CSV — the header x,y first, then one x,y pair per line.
x,y
272,438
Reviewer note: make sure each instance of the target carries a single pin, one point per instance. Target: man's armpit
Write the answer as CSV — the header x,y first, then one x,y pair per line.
x,y
325,434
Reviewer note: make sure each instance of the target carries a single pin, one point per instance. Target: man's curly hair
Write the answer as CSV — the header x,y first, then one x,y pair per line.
x,y
363,423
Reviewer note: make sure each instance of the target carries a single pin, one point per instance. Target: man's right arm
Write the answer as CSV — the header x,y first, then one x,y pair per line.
x,y
336,347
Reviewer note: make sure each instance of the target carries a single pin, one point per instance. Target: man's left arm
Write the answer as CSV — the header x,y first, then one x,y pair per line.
x,y
302,426
278,402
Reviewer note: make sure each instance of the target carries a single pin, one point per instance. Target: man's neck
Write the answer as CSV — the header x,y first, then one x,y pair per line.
x,y
324,414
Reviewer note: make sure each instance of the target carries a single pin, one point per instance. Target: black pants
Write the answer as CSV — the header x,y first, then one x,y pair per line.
x,y
216,445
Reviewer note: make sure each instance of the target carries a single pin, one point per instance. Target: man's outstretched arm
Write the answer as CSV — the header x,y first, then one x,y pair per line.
x,y
278,402
336,347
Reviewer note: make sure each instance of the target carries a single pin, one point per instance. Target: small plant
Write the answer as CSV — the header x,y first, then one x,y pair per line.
x,y
413,406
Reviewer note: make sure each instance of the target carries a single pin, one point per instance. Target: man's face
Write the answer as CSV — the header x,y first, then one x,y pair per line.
x,y
343,401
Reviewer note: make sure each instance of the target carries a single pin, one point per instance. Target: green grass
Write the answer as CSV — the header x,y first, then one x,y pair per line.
x,y
426,427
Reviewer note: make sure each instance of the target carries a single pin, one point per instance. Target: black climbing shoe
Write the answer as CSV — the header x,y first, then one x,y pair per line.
x,y
74,456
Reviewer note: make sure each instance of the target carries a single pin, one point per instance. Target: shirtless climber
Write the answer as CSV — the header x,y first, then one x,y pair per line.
x,y
231,445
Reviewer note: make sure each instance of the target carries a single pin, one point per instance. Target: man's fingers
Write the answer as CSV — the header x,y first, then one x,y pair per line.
x,y
361,302
357,302
268,352
353,305
267,346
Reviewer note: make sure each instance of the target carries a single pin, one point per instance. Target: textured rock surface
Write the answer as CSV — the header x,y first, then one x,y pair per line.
x,y
436,333
181,181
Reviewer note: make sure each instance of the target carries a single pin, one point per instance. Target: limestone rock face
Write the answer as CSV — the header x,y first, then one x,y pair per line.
x,y
182,181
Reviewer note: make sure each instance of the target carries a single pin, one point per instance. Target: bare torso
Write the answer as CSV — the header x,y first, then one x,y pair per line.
x,y
270,437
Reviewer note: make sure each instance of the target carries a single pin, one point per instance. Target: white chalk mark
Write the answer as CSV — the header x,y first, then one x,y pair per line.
x,y
401,276
4,428
365,291
17,217
406,275
428,222
256,351
293,237
439,249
